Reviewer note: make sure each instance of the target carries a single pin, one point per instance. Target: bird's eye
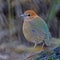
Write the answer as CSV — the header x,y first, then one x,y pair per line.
x,y
28,14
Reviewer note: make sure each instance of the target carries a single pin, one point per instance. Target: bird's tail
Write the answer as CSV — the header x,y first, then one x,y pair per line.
x,y
48,38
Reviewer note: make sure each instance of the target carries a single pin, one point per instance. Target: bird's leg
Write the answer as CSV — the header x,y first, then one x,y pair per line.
x,y
35,45
44,44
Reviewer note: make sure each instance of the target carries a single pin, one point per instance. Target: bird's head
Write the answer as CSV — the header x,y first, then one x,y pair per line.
x,y
29,15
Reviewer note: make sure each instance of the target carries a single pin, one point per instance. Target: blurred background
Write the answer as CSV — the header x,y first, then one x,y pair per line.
x,y
11,22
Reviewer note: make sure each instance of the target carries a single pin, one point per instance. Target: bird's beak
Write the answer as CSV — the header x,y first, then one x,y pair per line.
x,y
23,15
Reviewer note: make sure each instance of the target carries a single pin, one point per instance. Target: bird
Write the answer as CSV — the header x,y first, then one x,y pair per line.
x,y
35,29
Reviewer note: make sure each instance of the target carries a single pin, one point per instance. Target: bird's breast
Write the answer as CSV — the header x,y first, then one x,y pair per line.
x,y
27,31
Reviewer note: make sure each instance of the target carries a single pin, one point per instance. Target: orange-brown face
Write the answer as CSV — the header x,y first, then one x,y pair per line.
x,y
30,14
